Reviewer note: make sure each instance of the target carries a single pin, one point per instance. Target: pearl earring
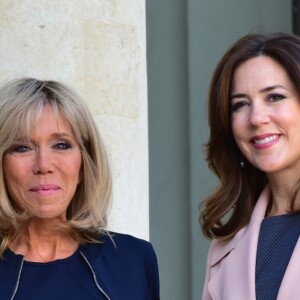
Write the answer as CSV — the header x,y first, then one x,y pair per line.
x,y
242,164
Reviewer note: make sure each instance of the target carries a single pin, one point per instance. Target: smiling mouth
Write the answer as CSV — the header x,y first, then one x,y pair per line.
x,y
266,140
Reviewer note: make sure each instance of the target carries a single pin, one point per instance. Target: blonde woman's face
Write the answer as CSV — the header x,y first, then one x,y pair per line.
x,y
266,116
42,173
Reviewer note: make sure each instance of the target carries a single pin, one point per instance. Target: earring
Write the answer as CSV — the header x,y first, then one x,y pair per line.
x,y
242,163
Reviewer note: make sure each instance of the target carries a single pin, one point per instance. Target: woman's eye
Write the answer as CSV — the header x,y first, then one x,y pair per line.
x,y
275,97
62,146
21,148
238,105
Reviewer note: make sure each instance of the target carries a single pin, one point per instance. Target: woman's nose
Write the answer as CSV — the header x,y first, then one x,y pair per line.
x,y
43,161
258,115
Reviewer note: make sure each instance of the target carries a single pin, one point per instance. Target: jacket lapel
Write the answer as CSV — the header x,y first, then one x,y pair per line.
x,y
290,285
233,262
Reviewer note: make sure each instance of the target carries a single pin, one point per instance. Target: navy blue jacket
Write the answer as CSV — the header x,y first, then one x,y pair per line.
x,y
122,269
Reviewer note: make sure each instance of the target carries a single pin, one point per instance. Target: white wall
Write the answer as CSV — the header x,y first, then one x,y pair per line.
x,y
98,48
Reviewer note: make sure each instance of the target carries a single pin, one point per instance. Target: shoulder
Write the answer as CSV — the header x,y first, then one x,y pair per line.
x,y
123,241
120,245
219,249
125,259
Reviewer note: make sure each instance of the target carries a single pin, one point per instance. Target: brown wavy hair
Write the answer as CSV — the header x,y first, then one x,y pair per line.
x,y
230,206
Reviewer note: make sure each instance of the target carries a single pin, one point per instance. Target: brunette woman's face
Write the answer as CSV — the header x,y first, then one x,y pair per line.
x,y
265,116
42,173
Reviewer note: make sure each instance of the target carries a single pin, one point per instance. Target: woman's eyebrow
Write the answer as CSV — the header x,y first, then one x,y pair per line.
x,y
272,87
61,135
266,89
238,96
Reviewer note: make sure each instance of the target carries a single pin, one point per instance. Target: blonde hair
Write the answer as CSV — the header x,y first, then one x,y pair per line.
x,y
21,103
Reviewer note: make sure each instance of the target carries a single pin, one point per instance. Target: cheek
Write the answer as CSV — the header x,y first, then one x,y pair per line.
x,y
8,173
238,127
234,128
77,175
13,182
14,188
80,175
16,175
76,169
238,133
13,170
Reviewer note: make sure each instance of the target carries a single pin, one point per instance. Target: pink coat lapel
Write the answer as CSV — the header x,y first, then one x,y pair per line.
x,y
231,265
290,285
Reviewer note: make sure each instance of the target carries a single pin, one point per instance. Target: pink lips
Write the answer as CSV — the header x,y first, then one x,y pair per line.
x,y
265,140
45,189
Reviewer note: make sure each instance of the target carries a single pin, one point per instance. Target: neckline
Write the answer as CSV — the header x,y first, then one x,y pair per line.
x,y
12,257
282,216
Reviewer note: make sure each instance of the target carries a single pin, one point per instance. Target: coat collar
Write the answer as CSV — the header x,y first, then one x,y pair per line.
x,y
290,287
222,249
232,263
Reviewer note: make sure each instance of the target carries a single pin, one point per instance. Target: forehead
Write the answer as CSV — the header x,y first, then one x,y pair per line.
x,y
51,120
42,119
258,73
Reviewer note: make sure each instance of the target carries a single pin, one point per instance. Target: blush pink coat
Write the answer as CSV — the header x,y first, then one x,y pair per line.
x,y
230,273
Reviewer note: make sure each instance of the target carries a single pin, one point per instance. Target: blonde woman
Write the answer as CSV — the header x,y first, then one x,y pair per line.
x,y
55,189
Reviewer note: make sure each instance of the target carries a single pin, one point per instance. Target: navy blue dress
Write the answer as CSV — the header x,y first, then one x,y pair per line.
x,y
277,239
124,269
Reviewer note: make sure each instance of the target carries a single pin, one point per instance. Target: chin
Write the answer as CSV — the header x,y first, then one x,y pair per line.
x,y
270,169
49,216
